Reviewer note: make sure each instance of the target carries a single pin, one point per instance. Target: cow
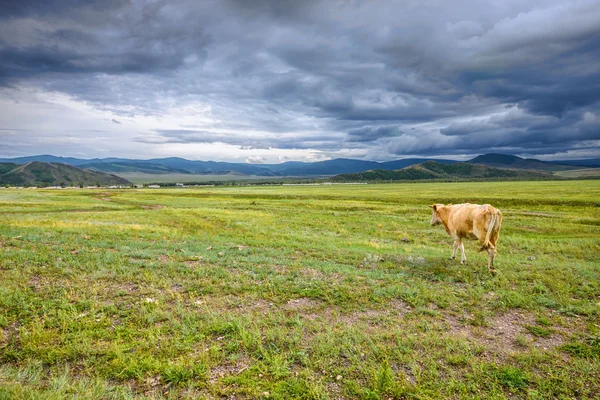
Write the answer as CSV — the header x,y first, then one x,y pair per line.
x,y
473,221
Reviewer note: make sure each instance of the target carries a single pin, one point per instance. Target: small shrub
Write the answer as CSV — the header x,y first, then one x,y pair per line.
x,y
543,321
539,331
179,374
512,377
522,340
591,349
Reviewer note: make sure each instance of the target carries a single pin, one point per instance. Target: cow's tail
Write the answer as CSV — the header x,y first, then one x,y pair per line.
x,y
492,227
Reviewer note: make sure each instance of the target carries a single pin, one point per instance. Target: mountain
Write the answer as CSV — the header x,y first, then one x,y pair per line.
x,y
122,167
181,165
54,174
329,167
433,170
176,165
60,160
210,167
346,166
514,162
7,167
398,164
590,163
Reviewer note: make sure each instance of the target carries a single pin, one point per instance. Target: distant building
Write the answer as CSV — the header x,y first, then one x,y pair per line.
x,y
154,186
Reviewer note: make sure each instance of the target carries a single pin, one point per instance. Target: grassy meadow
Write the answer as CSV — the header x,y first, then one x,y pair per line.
x,y
311,292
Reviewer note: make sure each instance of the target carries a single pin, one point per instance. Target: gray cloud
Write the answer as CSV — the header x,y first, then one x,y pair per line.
x,y
369,79
246,141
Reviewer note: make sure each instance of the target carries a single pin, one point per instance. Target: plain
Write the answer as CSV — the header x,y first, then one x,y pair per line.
x,y
309,292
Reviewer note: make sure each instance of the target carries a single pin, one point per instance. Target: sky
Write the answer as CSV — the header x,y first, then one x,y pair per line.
x,y
267,81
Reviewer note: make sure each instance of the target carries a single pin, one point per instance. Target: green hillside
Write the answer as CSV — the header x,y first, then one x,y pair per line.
x,y
432,170
54,174
7,167
135,167
514,162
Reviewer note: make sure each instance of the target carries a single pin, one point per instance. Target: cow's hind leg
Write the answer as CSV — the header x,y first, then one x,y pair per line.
x,y
491,254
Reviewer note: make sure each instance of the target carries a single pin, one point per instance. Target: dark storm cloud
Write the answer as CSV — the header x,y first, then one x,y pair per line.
x,y
369,134
383,78
115,37
28,8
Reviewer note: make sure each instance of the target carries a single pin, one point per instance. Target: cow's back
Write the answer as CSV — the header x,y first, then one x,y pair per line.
x,y
460,220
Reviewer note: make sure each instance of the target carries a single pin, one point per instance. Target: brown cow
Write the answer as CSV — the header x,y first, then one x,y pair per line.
x,y
470,221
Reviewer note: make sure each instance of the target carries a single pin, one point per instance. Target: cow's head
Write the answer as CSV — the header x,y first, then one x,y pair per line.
x,y
435,216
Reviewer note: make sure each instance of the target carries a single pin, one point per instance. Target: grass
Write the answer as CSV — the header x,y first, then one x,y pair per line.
x,y
313,292
576,173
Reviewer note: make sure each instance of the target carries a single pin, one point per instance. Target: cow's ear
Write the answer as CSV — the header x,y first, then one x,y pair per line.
x,y
434,206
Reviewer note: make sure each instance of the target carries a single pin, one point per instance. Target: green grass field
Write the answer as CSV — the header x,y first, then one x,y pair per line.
x,y
312,292
584,172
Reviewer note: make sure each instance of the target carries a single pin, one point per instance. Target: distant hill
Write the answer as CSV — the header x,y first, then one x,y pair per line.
x,y
122,167
514,162
53,174
329,167
432,170
398,164
181,165
345,166
211,167
7,167
177,165
590,163
60,160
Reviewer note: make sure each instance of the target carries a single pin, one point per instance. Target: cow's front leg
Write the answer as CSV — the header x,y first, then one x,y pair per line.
x,y
463,258
454,247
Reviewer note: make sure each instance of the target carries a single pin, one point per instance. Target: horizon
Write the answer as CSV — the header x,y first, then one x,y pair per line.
x,y
267,82
469,158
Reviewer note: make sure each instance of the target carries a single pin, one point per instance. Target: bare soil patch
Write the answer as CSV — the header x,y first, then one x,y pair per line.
x,y
502,332
228,368
10,334
396,309
302,304
153,207
104,196
35,283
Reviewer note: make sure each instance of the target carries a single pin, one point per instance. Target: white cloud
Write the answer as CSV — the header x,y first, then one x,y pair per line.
x,y
255,160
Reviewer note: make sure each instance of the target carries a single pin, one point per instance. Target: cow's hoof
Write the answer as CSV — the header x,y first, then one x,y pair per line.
x,y
463,261
453,258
